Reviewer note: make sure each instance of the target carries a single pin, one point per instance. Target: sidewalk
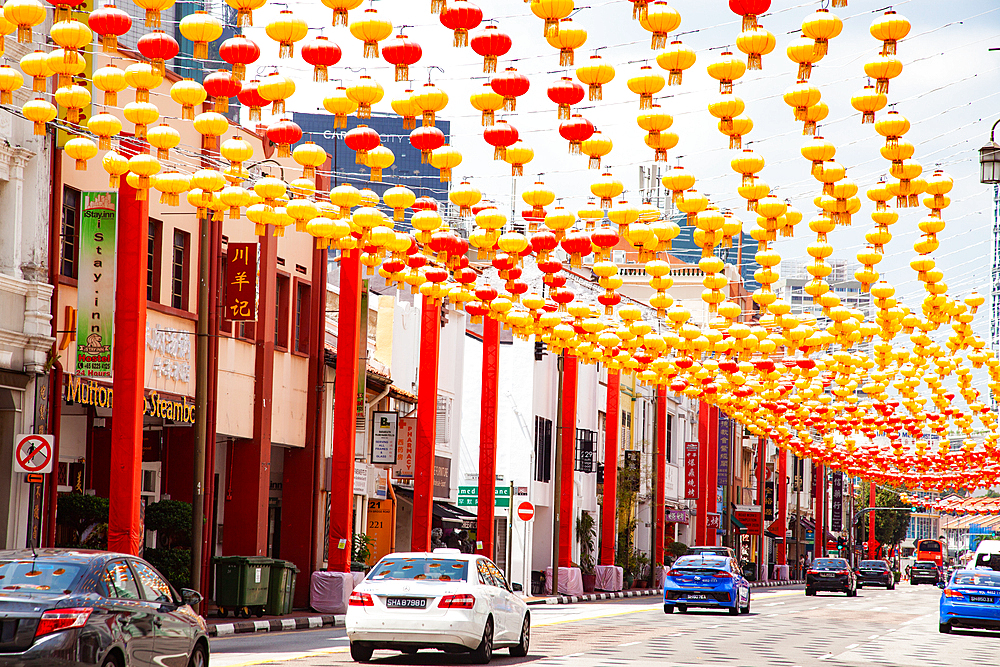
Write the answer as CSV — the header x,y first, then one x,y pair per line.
x,y
643,592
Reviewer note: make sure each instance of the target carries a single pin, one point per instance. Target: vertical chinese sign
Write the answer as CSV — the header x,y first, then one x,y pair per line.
x,y
241,282
96,287
837,502
725,449
690,470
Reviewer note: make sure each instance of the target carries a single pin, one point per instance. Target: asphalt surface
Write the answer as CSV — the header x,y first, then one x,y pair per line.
x,y
785,629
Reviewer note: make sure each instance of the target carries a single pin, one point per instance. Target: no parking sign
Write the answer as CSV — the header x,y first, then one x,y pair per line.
x,y
33,453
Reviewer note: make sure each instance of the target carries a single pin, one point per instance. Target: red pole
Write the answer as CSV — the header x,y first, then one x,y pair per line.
x,y
488,435
129,364
344,414
712,473
567,487
661,472
871,520
761,458
427,389
819,537
701,528
783,504
609,510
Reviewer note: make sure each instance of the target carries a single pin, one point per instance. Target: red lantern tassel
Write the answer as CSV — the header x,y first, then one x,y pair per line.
x,y
489,64
402,72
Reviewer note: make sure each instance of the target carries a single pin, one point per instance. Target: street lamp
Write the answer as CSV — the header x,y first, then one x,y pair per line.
x,y
989,160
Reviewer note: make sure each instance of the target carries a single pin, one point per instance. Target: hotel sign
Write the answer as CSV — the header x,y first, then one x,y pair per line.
x,y
96,284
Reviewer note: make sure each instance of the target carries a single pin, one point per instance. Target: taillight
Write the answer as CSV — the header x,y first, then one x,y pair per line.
x,y
360,600
949,593
674,573
462,601
813,572
722,574
62,619
843,571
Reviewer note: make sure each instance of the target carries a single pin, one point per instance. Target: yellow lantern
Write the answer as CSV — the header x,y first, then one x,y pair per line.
x,y
596,147
800,97
552,12
366,93
518,155
286,30
67,64
747,164
407,109
645,85
39,112
488,102
399,198
371,30
822,27
675,59
80,149
71,36
567,39
888,28
144,78
377,159
201,28
725,70
660,19
607,187
211,125
163,138
236,150
302,211
6,27
677,181
112,81
276,88
235,197
189,94
153,9
868,101
310,156
74,98
739,127
36,65
340,105
756,43
142,114
464,196
883,69
726,107
803,51
116,166
105,126
25,14
143,166
595,74
429,100
244,10
171,185
445,159
11,80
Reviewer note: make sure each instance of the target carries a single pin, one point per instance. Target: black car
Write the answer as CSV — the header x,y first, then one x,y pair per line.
x,y
875,573
926,572
67,608
831,574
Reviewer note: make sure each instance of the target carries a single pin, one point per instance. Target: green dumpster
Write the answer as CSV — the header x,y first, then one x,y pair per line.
x,y
281,588
241,585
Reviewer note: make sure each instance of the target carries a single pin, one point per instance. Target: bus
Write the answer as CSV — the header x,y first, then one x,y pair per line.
x,y
932,550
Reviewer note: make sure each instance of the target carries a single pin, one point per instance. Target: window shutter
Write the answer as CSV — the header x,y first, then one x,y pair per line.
x,y
443,428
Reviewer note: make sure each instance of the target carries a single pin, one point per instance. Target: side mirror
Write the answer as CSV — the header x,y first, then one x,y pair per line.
x,y
940,584
518,588
191,597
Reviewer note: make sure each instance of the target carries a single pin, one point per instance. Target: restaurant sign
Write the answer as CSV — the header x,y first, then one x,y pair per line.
x,y
84,392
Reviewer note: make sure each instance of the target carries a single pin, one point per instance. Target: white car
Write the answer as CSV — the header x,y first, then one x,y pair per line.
x,y
444,600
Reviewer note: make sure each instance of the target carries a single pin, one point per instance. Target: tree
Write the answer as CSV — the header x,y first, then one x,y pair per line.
x,y
890,526
171,519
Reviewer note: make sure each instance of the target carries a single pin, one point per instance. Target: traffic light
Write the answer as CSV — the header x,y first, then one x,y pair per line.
x,y
539,350
841,543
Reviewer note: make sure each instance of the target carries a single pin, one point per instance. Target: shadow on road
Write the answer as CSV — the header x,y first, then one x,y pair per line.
x,y
431,657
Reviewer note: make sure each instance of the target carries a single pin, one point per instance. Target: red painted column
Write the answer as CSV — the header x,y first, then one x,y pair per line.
x,y
609,509
712,473
701,527
819,537
125,531
488,435
661,471
344,414
782,555
568,443
246,511
761,460
423,460
871,520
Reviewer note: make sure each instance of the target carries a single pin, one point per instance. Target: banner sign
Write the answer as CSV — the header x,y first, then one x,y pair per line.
x,y
690,470
713,521
95,300
837,502
725,448
384,437
677,516
769,501
468,496
751,520
405,447
241,282
798,472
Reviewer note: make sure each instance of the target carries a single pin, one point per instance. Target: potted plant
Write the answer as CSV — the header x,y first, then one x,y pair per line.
x,y
585,534
361,546
641,569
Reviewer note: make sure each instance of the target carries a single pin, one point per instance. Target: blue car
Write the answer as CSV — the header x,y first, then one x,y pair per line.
x,y
706,580
971,599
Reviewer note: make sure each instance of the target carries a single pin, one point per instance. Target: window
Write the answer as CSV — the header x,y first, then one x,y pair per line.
x,y
70,233
225,324
543,449
153,254
586,442
154,588
442,430
119,581
498,578
179,270
281,289
302,318
670,436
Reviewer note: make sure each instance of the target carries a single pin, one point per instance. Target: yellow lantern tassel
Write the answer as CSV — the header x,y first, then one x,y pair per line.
x,y
676,78
279,230
645,101
735,141
809,128
595,162
754,61
40,128
436,6
24,34
364,111
838,3
6,97
376,176
488,117
821,48
427,120
81,165
187,112
287,50
161,153
152,18
371,50
245,18
39,84
805,69
596,92
566,57
201,50
278,107
141,95
140,131
445,175
113,182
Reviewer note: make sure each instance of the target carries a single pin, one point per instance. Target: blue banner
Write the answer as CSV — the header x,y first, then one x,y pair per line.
x,y
725,447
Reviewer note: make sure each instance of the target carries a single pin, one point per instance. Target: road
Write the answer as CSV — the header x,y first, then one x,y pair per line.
x,y
784,629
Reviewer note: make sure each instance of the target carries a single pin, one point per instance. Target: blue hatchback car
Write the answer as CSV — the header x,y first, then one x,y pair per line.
x,y
706,580
971,599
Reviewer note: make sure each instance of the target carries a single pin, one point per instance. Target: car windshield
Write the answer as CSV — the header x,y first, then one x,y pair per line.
x,y
874,565
420,569
53,577
929,545
707,563
829,564
925,565
977,578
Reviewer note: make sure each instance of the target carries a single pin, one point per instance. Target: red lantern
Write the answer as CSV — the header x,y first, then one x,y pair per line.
x,y
749,10
110,23
250,98
361,140
426,139
566,92
500,136
562,297
284,133
220,86
543,243
490,43
426,204
481,206
511,85
239,51
157,47
402,52
461,16
605,239
321,53
577,244
576,130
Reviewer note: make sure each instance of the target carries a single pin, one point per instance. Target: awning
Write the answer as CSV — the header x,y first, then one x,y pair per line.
x,y
807,523
449,515
739,526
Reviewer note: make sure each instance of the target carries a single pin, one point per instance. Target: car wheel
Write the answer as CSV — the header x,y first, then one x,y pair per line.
x,y
484,652
668,609
944,628
682,608
746,609
361,653
198,657
112,661
890,587
222,612
521,649
735,609
810,592
912,582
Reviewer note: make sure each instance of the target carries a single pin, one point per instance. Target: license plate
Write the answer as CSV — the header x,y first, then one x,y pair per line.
x,y
824,574
697,596
982,598
406,603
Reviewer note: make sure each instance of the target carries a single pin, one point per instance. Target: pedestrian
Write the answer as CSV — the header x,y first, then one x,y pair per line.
x,y
802,566
907,571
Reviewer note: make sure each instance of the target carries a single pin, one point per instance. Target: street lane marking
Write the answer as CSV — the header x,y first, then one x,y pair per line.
x,y
826,657
628,644
849,647
874,636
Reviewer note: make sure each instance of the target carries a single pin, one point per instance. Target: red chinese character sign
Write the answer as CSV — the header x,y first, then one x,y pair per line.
x,y
241,282
690,469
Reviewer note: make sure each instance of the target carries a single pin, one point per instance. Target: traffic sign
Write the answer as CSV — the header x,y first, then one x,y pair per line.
x,y
525,511
33,453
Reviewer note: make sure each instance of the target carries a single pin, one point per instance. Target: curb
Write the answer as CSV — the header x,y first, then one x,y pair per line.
x,y
647,592
274,625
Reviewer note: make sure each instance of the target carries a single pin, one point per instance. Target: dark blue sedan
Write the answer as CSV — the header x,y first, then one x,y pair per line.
x,y
971,599
705,580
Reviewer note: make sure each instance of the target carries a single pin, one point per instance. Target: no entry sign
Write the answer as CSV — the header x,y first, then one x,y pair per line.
x,y
525,511
33,453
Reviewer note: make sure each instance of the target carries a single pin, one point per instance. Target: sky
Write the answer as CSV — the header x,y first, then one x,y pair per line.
x,y
949,90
